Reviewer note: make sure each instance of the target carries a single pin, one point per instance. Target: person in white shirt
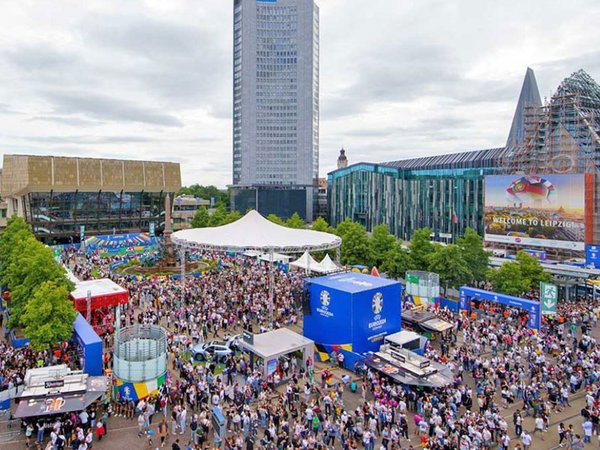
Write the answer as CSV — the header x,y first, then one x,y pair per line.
x,y
526,440
539,426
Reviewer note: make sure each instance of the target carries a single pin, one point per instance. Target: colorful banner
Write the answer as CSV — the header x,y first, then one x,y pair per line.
x,y
536,210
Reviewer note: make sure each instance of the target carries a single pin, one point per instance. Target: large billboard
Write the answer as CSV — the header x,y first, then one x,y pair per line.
x,y
536,210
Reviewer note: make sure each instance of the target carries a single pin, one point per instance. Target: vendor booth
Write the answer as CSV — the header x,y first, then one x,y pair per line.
x,y
269,350
408,368
351,312
469,295
408,340
95,299
422,321
57,390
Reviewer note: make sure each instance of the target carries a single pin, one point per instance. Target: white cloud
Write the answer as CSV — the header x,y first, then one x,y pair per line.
x,y
150,79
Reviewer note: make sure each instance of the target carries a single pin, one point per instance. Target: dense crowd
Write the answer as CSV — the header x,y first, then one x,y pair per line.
x,y
497,362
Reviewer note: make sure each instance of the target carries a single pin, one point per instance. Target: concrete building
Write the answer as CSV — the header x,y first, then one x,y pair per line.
x,y
184,209
275,106
64,198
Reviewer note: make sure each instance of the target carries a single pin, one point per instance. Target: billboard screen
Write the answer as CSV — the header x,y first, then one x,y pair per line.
x,y
538,210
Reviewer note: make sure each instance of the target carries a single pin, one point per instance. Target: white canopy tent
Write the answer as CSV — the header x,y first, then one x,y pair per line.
x,y
328,266
254,232
307,263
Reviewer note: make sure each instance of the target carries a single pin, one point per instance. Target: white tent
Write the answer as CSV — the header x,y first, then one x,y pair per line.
x,y
274,257
328,266
307,263
254,232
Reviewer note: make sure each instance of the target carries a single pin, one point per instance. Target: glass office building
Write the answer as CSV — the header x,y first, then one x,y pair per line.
x,y
63,197
275,104
444,193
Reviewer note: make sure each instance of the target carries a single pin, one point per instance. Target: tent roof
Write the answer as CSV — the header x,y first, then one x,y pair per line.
x,y
306,261
98,287
277,342
328,265
254,232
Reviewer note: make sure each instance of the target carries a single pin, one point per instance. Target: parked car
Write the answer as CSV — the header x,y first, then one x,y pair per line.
x,y
211,350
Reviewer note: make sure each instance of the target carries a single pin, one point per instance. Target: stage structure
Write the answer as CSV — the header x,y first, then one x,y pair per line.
x,y
140,361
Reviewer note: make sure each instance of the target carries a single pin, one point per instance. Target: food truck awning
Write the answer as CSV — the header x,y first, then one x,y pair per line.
x,y
47,405
441,378
437,324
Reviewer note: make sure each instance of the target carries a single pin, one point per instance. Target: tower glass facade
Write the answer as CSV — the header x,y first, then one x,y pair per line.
x,y
276,98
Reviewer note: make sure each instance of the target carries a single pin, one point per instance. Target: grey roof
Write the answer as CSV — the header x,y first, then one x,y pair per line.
x,y
473,159
530,96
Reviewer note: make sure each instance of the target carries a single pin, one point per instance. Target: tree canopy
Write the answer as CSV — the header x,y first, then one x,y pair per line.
x,y
532,270
295,221
421,248
355,245
477,259
206,192
201,218
48,317
381,242
508,279
448,262
397,261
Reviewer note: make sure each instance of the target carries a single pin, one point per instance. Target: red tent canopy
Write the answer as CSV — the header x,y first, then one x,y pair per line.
x,y
103,292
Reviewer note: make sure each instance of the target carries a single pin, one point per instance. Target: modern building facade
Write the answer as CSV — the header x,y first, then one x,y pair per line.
x,y
275,105
64,198
446,193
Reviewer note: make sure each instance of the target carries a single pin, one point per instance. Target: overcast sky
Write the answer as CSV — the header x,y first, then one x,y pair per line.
x,y
153,79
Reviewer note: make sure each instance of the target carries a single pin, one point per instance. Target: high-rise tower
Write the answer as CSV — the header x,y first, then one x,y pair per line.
x,y
275,106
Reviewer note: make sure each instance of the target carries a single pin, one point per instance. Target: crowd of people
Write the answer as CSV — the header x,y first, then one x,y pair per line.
x,y
499,365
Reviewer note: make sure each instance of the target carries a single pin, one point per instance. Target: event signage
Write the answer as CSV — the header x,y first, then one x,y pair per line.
x,y
548,298
468,294
536,210
53,384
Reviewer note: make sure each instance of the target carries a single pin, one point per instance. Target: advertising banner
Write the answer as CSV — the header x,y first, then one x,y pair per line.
x,y
548,298
536,210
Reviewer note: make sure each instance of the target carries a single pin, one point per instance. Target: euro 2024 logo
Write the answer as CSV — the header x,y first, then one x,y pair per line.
x,y
377,304
325,298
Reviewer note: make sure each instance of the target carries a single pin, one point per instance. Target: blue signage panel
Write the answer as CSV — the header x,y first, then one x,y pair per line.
x,y
330,318
375,314
532,307
592,256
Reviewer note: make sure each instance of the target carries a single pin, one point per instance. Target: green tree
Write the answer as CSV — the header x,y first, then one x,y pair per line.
x,y
32,265
355,246
508,279
17,230
475,256
48,317
295,221
201,218
421,248
206,192
218,216
232,217
320,224
448,262
275,219
381,242
397,261
532,269
343,227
